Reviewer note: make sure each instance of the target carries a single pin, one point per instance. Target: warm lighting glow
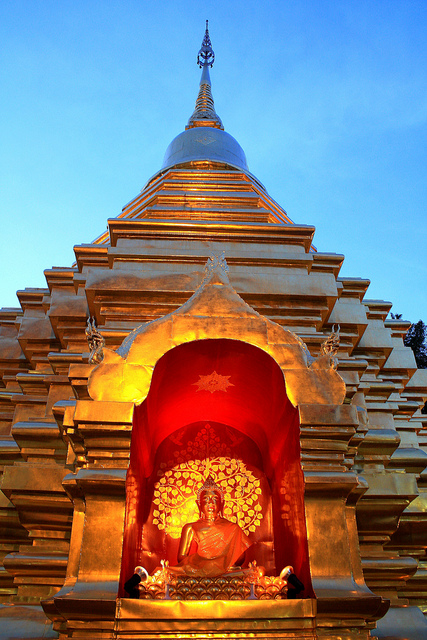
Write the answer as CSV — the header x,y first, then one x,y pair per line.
x,y
175,492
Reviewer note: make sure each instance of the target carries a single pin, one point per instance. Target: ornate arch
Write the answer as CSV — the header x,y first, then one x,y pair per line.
x,y
214,311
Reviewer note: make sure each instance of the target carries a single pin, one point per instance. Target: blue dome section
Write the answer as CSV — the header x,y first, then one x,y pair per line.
x,y
205,143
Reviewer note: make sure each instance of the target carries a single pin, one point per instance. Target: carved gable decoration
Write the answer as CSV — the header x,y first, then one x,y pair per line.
x,y
214,311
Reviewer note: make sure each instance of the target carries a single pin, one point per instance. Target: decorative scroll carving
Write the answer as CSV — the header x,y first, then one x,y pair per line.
x,y
215,262
95,341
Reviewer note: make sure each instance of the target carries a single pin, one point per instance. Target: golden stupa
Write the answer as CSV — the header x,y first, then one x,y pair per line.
x,y
203,335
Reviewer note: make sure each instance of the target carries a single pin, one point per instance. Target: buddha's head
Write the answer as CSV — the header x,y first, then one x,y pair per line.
x,y
210,499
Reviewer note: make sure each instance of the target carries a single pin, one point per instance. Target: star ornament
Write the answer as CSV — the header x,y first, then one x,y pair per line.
x,y
213,382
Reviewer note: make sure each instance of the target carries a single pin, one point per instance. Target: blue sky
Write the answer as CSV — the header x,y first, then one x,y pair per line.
x,y
328,100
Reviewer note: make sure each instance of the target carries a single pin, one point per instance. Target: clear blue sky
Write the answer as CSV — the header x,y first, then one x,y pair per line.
x,y
328,100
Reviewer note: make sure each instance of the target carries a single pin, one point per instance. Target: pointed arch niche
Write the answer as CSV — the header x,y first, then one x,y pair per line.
x,y
214,405
157,368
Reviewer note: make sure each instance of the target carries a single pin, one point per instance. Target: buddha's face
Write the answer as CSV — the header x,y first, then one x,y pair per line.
x,y
210,504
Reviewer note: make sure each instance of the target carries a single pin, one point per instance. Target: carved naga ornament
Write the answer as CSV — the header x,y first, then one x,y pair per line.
x,y
95,341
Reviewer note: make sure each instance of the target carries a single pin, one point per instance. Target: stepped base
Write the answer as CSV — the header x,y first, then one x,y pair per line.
x,y
155,619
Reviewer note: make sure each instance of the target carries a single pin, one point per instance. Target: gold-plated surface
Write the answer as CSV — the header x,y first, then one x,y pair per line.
x,y
214,311
270,266
217,619
252,585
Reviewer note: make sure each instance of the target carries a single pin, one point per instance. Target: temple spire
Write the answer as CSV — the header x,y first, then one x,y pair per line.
x,y
204,113
206,56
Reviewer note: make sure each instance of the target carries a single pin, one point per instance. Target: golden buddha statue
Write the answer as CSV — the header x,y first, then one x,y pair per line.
x,y
220,551
221,544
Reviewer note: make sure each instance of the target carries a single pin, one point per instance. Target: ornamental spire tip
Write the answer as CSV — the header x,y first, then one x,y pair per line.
x,y
204,114
206,56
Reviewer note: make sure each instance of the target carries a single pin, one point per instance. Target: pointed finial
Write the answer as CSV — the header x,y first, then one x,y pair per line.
x,y
204,114
206,56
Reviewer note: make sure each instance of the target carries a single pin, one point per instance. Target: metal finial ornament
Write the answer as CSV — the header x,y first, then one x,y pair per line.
x,y
206,56
204,114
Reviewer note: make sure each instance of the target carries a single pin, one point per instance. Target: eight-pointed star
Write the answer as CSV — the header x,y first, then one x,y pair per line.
x,y
213,382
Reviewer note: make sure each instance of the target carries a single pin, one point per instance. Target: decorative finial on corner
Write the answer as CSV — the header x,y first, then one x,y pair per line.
x,y
216,262
206,56
95,341
330,346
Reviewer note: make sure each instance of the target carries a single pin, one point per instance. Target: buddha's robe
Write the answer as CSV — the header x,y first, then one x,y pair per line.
x,y
219,546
